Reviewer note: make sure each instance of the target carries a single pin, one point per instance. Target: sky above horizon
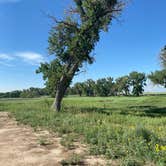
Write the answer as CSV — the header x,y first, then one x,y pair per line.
x,y
132,44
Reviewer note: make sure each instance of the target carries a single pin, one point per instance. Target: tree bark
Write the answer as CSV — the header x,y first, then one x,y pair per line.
x,y
60,92
63,85
59,95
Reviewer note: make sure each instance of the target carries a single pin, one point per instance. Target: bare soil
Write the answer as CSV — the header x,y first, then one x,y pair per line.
x,y
21,146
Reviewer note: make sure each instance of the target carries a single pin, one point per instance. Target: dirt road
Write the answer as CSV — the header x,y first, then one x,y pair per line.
x,y
21,146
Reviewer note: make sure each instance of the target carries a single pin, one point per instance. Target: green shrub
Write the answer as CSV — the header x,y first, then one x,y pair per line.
x,y
132,162
75,159
144,133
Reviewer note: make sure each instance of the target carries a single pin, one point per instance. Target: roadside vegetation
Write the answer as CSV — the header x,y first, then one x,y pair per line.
x,y
124,129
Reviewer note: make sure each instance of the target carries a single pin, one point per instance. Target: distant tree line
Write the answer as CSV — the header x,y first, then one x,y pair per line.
x,y
26,93
132,84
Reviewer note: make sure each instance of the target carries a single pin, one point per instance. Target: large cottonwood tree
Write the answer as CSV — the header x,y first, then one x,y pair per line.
x,y
72,40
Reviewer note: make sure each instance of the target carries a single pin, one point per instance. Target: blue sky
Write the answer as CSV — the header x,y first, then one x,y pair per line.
x,y
131,44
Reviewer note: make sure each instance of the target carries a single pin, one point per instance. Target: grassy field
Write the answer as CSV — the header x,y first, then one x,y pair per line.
x,y
125,129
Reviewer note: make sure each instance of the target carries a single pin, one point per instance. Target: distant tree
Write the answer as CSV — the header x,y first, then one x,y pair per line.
x,y
33,92
89,87
104,86
71,91
158,77
114,90
137,81
111,86
13,94
79,88
123,85
72,40
101,87
26,93
163,57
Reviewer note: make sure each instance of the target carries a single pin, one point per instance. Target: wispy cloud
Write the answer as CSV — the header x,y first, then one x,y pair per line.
x,y
5,60
6,64
6,57
30,57
9,1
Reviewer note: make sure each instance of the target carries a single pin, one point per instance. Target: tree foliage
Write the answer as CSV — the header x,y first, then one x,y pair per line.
x,y
72,40
158,77
132,84
104,86
13,94
137,81
89,87
26,93
51,74
123,85
79,87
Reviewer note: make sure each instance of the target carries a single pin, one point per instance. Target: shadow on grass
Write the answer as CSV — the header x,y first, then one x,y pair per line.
x,y
157,94
107,111
149,111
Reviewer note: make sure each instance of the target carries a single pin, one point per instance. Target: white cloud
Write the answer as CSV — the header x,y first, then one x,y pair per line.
x,y
30,57
6,57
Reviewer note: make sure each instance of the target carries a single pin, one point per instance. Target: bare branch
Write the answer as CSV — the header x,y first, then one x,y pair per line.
x,y
83,71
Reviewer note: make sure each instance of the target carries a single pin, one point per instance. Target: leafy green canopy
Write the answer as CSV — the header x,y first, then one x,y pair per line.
x,y
72,39
51,73
137,81
104,86
123,85
158,77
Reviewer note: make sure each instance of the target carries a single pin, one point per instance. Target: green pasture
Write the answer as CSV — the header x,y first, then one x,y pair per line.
x,y
124,129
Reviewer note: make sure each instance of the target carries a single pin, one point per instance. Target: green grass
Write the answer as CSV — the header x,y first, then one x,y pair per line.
x,y
121,128
74,159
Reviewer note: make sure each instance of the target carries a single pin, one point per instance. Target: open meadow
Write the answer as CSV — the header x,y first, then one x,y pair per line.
x,y
82,82
129,130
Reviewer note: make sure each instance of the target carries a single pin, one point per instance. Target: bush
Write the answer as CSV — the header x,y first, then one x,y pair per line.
x,y
75,159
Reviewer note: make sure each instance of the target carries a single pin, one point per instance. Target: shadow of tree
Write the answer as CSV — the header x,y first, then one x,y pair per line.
x,y
150,111
102,110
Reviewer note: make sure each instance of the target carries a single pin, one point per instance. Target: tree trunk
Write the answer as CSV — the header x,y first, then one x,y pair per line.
x,y
62,87
59,95
60,92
